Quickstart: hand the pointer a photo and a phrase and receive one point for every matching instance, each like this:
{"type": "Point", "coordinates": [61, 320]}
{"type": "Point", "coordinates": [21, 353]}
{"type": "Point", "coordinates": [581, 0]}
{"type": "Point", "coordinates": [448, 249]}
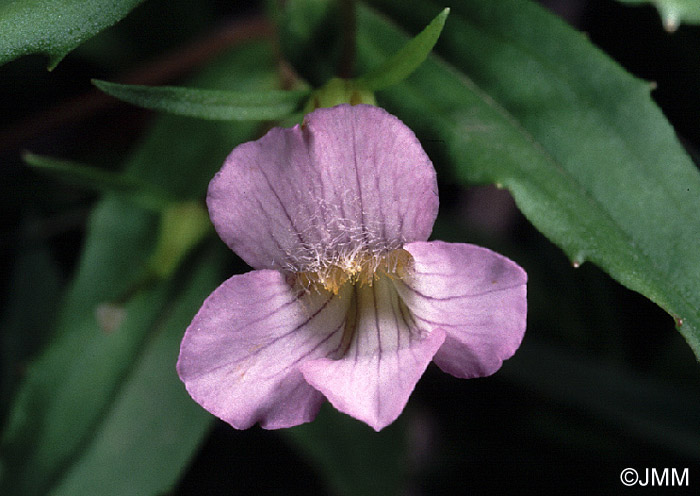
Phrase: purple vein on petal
{"type": "Point", "coordinates": [380, 202]}
{"type": "Point", "coordinates": [472, 325]}
{"type": "Point", "coordinates": [292, 301]}
{"type": "Point", "coordinates": [410, 323]}
{"type": "Point", "coordinates": [349, 328]}
{"type": "Point", "coordinates": [284, 208]}
{"type": "Point", "coordinates": [395, 310]}
{"type": "Point", "coordinates": [456, 297]}
{"type": "Point", "coordinates": [312, 350]}
{"type": "Point", "coordinates": [365, 237]}
{"type": "Point", "coordinates": [292, 331]}
{"type": "Point", "coordinates": [271, 233]}
{"type": "Point", "coordinates": [260, 348]}
{"type": "Point", "coordinates": [377, 325]}
{"type": "Point", "coordinates": [314, 166]}
{"type": "Point", "coordinates": [355, 336]}
{"type": "Point", "coordinates": [374, 289]}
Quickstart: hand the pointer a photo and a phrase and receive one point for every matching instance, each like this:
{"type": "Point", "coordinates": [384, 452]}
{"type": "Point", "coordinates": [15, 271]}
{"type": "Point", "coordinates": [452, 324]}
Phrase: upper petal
{"type": "Point", "coordinates": [239, 357]}
{"type": "Point", "coordinates": [388, 353]}
{"type": "Point", "coordinates": [475, 295]}
{"type": "Point", "coordinates": [349, 177]}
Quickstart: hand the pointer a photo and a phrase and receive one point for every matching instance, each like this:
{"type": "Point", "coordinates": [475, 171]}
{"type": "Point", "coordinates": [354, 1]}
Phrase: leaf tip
{"type": "Point", "coordinates": [578, 260]}
{"type": "Point", "coordinates": [439, 20]}
{"type": "Point", "coordinates": [671, 19]}
{"type": "Point", "coordinates": [54, 61]}
{"type": "Point", "coordinates": [29, 158]}
{"type": "Point", "coordinates": [407, 59]}
{"type": "Point", "coordinates": [100, 84]}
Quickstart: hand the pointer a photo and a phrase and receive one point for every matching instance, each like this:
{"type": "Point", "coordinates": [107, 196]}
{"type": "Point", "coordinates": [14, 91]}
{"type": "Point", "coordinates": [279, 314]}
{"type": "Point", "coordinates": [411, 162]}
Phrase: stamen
{"type": "Point", "coordinates": [356, 268]}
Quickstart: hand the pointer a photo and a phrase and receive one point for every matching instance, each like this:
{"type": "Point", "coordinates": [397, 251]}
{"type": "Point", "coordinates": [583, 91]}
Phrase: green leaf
{"type": "Point", "coordinates": [113, 333]}
{"type": "Point", "coordinates": [72, 382]}
{"type": "Point", "coordinates": [526, 102]}
{"type": "Point", "coordinates": [54, 27]}
{"type": "Point", "coordinates": [673, 12]}
{"type": "Point", "coordinates": [400, 65]}
{"type": "Point", "coordinates": [209, 104]}
{"type": "Point", "coordinates": [142, 194]}
{"type": "Point", "coordinates": [183, 225]}
{"type": "Point", "coordinates": [29, 308]}
{"type": "Point", "coordinates": [151, 414]}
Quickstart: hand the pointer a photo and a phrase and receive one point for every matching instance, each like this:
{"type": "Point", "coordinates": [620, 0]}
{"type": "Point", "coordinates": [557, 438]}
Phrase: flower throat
{"type": "Point", "coordinates": [360, 268]}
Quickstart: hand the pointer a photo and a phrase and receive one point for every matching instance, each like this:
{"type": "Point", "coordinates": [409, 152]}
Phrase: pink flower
{"type": "Point", "coordinates": [348, 300]}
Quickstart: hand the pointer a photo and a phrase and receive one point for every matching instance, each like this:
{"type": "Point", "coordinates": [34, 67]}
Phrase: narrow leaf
{"type": "Point", "coordinates": [144, 195]}
{"type": "Point", "coordinates": [151, 410]}
{"type": "Point", "coordinates": [526, 102]}
{"type": "Point", "coordinates": [54, 27]}
{"type": "Point", "coordinates": [209, 104]}
{"type": "Point", "coordinates": [400, 65]}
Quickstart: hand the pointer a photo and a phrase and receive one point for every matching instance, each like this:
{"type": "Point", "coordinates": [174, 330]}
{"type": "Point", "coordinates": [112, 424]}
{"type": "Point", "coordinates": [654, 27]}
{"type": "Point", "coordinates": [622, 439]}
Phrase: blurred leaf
{"type": "Point", "coordinates": [180, 154]}
{"type": "Point", "coordinates": [304, 24]}
{"type": "Point", "coordinates": [183, 226]}
{"type": "Point", "coordinates": [142, 194]}
{"type": "Point", "coordinates": [147, 434]}
{"type": "Point", "coordinates": [209, 104]}
{"type": "Point", "coordinates": [400, 65]}
{"type": "Point", "coordinates": [528, 103]}
{"type": "Point", "coordinates": [673, 12]}
{"type": "Point", "coordinates": [355, 460]}
{"type": "Point", "coordinates": [81, 175]}
{"type": "Point", "coordinates": [76, 394]}
{"type": "Point", "coordinates": [54, 27]}
{"type": "Point", "coordinates": [68, 386]}
{"type": "Point", "coordinates": [29, 308]}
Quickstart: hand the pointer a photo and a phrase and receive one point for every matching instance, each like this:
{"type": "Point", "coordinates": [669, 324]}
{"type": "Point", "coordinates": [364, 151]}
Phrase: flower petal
{"type": "Point", "coordinates": [475, 295]}
{"type": "Point", "coordinates": [384, 360]}
{"type": "Point", "coordinates": [349, 177]}
{"type": "Point", "coordinates": [239, 357]}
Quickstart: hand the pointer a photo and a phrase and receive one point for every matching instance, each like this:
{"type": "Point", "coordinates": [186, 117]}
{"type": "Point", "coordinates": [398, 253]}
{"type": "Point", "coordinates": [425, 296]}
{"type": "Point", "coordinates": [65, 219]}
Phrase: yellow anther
{"type": "Point", "coordinates": [361, 270]}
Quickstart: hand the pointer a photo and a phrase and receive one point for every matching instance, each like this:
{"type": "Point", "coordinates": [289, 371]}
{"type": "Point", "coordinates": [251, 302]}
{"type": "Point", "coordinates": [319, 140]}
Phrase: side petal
{"type": "Point", "coordinates": [349, 177]}
{"type": "Point", "coordinates": [374, 378]}
{"type": "Point", "coordinates": [475, 295]}
{"type": "Point", "coordinates": [240, 356]}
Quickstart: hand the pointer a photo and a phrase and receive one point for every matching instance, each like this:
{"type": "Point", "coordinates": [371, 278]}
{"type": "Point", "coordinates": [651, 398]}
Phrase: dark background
{"type": "Point", "coordinates": [602, 382]}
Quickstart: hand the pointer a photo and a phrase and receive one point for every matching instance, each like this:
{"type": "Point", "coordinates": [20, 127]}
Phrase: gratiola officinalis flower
{"type": "Point", "coordinates": [348, 300]}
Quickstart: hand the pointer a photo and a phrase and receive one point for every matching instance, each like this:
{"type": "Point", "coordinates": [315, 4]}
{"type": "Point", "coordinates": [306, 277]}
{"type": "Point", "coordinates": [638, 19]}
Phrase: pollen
{"type": "Point", "coordinates": [361, 269]}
